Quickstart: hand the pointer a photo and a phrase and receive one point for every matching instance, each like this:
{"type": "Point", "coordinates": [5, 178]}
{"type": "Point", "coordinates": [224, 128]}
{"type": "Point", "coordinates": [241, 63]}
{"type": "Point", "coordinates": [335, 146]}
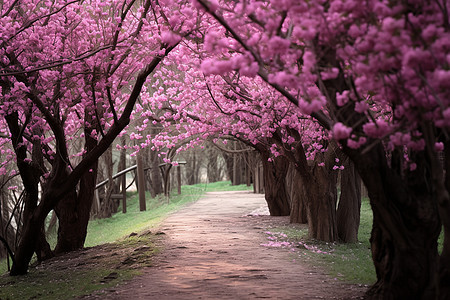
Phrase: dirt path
{"type": "Point", "coordinates": [213, 251]}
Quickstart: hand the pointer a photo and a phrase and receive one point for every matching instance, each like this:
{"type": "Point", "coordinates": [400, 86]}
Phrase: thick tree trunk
{"type": "Point", "coordinates": [297, 196]}
{"type": "Point", "coordinates": [321, 204]}
{"type": "Point", "coordinates": [27, 245]}
{"type": "Point", "coordinates": [73, 211]}
{"type": "Point", "coordinates": [43, 250]}
{"type": "Point", "coordinates": [405, 227]}
{"type": "Point", "coordinates": [73, 214]}
{"type": "Point", "coordinates": [69, 236]}
{"type": "Point", "coordinates": [275, 185]}
{"type": "Point", "coordinates": [348, 211]}
{"type": "Point", "coordinates": [444, 259]}
{"type": "Point", "coordinates": [319, 187]}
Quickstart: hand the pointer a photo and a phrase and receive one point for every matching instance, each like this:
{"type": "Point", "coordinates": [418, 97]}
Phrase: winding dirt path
{"type": "Point", "coordinates": [212, 250]}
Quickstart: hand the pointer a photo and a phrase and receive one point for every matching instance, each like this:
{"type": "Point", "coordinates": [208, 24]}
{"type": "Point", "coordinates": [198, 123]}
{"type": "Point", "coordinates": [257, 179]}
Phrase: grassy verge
{"type": "Point", "coordinates": [115, 257]}
{"type": "Point", "coordinates": [350, 262]}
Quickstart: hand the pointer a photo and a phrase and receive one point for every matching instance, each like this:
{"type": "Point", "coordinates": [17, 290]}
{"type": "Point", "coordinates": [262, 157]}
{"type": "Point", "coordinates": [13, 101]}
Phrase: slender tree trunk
{"type": "Point", "coordinates": [156, 175]}
{"type": "Point", "coordinates": [229, 165]}
{"type": "Point", "coordinates": [109, 205]}
{"type": "Point", "coordinates": [141, 182]}
{"type": "Point", "coordinates": [348, 212]}
{"type": "Point", "coordinates": [123, 179]}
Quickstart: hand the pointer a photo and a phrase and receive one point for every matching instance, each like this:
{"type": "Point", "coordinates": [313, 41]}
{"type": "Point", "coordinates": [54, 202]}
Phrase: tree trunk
{"type": "Point", "coordinates": [109, 205]}
{"type": "Point", "coordinates": [321, 193]}
{"type": "Point", "coordinates": [156, 175]}
{"type": "Point", "coordinates": [348, 212]}
{"type": "Point", "coordinates": [297, 196]}
{"type": "Point", "coordinates": [123, 179]}
{"type": "Point", "coordinates": [73, 214]}
{"type": "Point", "coordinates": [43, 250]}
{"type": "Point", "coordinates": [405, 227]}
{"type": "Point", "coordinates": [73, 210]}
{"type": "Point", "coordinates": [275, 184]}
{"type": "Point", "coordinates": [69, 236]}
{"type": "Point", "coordinates": [228, 165]}
{"type": "Point", "coordinates": [319, 186]}
{"type": "Point", "coordinates": [444, 259]}
{"type": "Point", "coordinates": [27, 245]}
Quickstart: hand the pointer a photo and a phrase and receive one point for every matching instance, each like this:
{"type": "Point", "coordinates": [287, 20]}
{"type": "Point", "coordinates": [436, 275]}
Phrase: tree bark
{"type": "Point", "coordinates": [348, 211]}
{"type": "Point", "coordinates": [297, 196]}
{"type": "Point", "coordinates": [123, 179]}
{"type": "Point", "coordinates": [109, 205]}
{"type": "Point", "coordinates": [74, 211]}
{"type": "Point", "coordinates": [157, 187]}
{"type": "Point", "coordinates": [276, 195]}
{"type": "Point", "coordinates": [26, 248]}
{"type": "Point", "coordinates": [70, 237]}
{"type": "Point", "coordinates": [321, 204]}
{"type": "Point", "coordinates": [319, 185]}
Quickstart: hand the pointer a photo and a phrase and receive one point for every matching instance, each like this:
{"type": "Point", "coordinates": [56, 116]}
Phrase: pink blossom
{"type": "Point", "coordinates": [351, 143]}
{"type": "Point", "coordinates": [342, 98]}
{"type": "Point", "coordinates": [361, 107]}
{"type": "Point", "coordinates": [340, 131]}
{"type": "Point", "coordinates": [439, 146]}
{"type": "Point", "coordinates": [170, 38]}
{"type": "Point", "coordinates": [376, 130]}
{"type": "Point", "coordinates": [279, 45]}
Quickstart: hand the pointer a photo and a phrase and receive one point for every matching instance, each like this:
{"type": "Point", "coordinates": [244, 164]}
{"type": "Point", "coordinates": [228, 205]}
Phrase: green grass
{"type": "Point", "coordinates": [119, 225]}
{"type": "Point", "coordinates": [56, 284]}
{"type": "Point", "coordinates": [224, 186]}
{"type": "Point", "coordinates": [350, 262]}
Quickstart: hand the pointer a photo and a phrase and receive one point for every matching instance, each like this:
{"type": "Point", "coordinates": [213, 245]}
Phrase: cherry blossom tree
{"type": "Point", "coordinates": [74, 70]}
{"type": "Point", "coordinates": [376, 76]}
